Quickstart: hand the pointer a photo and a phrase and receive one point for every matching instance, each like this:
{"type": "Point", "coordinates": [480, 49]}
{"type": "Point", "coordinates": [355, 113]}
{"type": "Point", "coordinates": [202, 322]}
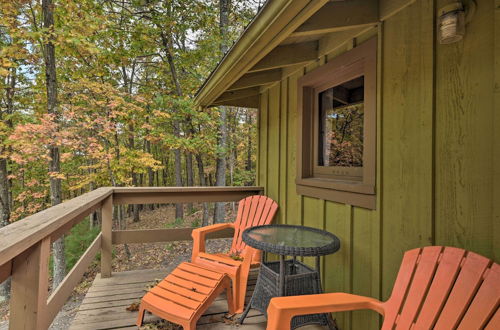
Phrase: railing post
{"type": "Point", "coordinates": [30, 272]}
{"type": "Point", "coordinates": [106, 243]}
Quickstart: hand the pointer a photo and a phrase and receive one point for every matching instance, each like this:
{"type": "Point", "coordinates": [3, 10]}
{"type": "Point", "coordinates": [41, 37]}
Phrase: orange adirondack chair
{"type": "Point", "coordinates": [252, 211]}
{"type": "Point", "coordinates": [436, 288]}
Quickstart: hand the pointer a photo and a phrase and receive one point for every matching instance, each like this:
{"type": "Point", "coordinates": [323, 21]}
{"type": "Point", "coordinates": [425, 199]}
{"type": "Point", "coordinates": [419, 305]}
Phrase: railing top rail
{"type": "Point", "coordinates": [121, 190]}
{"type": "Point", "coordinates": [21, 235]}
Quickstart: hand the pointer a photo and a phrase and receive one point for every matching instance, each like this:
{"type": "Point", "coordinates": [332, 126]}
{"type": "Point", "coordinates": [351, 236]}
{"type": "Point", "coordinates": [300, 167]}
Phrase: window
{"type": "Point", "coordinates": [340, 122]}
{"type": "Point", "coordinates": [337, 121]}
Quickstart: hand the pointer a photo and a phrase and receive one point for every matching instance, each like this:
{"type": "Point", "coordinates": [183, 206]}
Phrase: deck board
{"type": "Point", "coordinates": [104, 306]}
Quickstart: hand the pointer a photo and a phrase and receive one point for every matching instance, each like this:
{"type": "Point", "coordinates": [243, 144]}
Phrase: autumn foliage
{"type": "Point", "coordinates": [116, 101]}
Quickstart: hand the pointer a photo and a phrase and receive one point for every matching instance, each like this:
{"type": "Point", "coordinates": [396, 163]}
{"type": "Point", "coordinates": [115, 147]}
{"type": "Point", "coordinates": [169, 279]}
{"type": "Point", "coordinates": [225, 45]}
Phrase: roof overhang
{"type": "Point", "coordinates": [287, 34]}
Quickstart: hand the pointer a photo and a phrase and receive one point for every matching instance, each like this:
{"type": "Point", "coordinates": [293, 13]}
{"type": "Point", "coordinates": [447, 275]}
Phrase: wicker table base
{"type": "Point", "coordinates": [299, 279]}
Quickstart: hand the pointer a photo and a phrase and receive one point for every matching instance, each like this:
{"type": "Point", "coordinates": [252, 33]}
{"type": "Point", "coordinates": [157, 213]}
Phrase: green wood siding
{"type": "Point", "coordinates": [496, 136]}
{"type": "Point", "coordinates": [465, 138]}
{"type": "Point", "coordinates": [407, 135]}
{"type": "Point", "coordinates": [438, 153]}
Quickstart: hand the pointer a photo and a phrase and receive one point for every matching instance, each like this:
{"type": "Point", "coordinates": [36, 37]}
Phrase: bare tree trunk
{"type": "Point", "coordinates": [4, 217]}
{"type": "Point", "coordinates": [5, 184]}
{"type": "Point", "coordinates": [248, 166]}
{"type": "Point", "coordinates": [135, 183]}
{"type": "Point", "coordinates": [220, 172]}
{"type": "Point", "coordinates": [147, 147]}
{"type": "Point", "coordinates": [95, 217]}
{"type": "Point", "coordinates": [179, 209]}
{"type": "Point", "coordinates": [189, 176]}
{"type": "Point", "coordinates": [54, 164]}
{"type": "Point", "coordinates": [232, 148]}
{"type": "Point", "coordinates": [4, 194]}
{"type": "Point", "coordinates": [231, 145]}
{"type": "Point", "coordinates": [122, 224]}
{"type": "Point", "coordinates": [151, 183]}
{"type": "Point", "coordinates": [165, 170]}
{"type": "Point", "coordinates": [135, 207]}
{"type": "Point", "coordinates": [166, 39]}
{"type": "Point", "coordinates": [210, 179]}
{"type": "Point", "coordinates": [220, 213]}
{"type": "Point", "coordinates": [224, 9]}
{"type": "Point", "coordinates": [201, 174]}
{"type": "Point", "coordinates": [128, 85]}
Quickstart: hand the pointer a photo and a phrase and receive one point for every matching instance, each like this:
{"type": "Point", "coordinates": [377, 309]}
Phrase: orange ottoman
{"type": "Point", "coordinates": [185, 294]}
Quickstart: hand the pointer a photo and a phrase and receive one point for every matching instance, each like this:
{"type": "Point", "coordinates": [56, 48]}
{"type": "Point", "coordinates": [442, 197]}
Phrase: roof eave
{"type": "Point", "coordinates": [275, 22]}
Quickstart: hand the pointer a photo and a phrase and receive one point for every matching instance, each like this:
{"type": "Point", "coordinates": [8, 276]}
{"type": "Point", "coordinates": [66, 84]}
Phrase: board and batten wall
{"type": "Point", "coordinates": [438, 152]}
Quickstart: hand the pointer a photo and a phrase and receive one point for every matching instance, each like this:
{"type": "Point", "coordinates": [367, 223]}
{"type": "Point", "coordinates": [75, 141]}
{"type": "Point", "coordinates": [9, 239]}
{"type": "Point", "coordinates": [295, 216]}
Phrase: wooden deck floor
{"type": "Point", "coordinates": [104, 306]}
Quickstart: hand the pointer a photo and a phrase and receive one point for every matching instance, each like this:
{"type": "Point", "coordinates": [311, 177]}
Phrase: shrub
{"type": "Point", "coordinates": [79, 239]}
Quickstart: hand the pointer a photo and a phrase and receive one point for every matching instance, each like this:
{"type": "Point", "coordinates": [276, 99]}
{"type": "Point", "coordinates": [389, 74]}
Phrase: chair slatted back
{"type": "Point", "coordinates": [252, 211]}
{"type": "Point", "coordinates": [444, 288]}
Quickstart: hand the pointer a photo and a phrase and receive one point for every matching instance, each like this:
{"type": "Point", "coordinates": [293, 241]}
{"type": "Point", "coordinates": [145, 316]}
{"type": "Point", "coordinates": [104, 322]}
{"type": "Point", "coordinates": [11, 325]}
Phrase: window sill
{"type": "Point", "coordinates": [340, 185]}
{"type": "Point", "coordinates": [352, 193]}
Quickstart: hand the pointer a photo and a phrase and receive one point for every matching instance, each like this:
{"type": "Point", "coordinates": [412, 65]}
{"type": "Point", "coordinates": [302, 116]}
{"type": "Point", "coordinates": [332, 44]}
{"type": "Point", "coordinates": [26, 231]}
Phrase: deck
{"type": "Point", "coordinates": [104, 306]}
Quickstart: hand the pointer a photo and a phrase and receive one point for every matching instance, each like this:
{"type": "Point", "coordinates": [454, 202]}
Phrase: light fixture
{"type": "Point", "coordinates": [452, 19]}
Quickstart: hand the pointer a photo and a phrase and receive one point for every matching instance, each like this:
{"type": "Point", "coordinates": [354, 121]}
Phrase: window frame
{"type": "Point", "coordinates": [336, 183]}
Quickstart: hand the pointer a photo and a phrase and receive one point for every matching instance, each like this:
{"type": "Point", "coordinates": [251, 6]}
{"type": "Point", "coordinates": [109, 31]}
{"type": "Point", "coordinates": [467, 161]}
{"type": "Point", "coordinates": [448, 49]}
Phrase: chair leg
{"type": "Point", "coordinates": [241, 294]}
{"type": "Point", "coordinates": [238, 307]}
{"type": "Point", "coordinates": [140, 317]}
{"type": "Point", "coordinates": [277, 320]}
{"type": "Point", "coordinates": [230, 300]}
{"type": "Point", "coordinates": [189, 325]}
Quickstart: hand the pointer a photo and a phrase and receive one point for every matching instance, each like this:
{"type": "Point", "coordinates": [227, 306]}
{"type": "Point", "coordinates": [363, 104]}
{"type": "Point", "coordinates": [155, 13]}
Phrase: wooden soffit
{"type": "Point", "coordinates": [254, 79]}
{"type": "Point", "coordinates": [339, 16]}
{"type": "Point", "coordinates": [284, 35]}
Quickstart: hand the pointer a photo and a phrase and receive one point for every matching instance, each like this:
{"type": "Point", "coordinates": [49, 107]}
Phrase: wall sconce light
{"type": "Point", "coordinates": [452, 19]}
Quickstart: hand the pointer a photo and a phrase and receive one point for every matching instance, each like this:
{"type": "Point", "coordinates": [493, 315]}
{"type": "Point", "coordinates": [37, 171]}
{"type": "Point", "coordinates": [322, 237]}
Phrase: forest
{"type": "Point", "coordinates": [99, 93]}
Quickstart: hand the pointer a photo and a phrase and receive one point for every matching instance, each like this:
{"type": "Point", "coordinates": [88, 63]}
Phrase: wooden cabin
{"type": "Point", "coordinates": [379, 121]}
{"type": "Point", "coordinates": [430, 170]}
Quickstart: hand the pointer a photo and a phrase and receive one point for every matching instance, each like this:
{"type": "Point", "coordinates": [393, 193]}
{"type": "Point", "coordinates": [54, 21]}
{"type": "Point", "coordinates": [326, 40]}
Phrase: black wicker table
{"type": "Point", "coordinates": [289, 277]}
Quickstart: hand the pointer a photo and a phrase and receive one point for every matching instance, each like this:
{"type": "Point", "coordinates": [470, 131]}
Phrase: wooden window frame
{"type": "Point", "coordinates": [335, 183]}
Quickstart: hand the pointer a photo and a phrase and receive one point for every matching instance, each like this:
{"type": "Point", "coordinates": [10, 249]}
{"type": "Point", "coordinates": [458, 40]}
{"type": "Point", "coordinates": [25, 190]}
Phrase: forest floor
{"type": "Point", "coordinates": [142, 256]}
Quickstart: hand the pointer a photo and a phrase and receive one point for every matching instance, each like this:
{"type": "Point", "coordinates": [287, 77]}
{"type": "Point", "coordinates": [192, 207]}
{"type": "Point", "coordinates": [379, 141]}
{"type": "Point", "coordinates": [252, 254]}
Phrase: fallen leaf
{"type": "Point", "coordinates": [134, 307]}
{"type": "Point", "coordinates": [230, 319]}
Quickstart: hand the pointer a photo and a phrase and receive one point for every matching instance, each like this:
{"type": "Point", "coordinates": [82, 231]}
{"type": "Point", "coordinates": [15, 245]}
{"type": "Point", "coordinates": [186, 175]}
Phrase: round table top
{"type": "Point", "coordinates": [291, 240]}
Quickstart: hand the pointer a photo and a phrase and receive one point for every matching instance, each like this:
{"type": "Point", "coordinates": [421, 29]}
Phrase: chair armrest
{"type": "Point", "coordinates": [216, 258]}
{"type": "Point", "coordinates": [199, 234]}
{"type": "Point", "coordinates": [212, 228]}
{"type": "Point", "coordinates": [282, 309]}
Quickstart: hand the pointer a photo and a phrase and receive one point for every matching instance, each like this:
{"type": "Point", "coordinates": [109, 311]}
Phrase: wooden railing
{"type": "Point", "coordinates": [26, 244]}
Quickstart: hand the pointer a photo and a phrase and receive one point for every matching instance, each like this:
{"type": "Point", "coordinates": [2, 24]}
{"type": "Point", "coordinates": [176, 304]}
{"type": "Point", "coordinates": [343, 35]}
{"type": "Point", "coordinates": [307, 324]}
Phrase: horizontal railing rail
{"type": "Point", "coordinates": [25, 244]}
{"type": "Point", "coordinates": [161, 235]}
{"type": "Point", "coordinates": [155, 195]}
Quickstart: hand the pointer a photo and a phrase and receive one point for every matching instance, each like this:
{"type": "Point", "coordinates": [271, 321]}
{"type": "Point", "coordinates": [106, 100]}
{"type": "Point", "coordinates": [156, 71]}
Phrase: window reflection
{"type": "Point", "coordinates": [341, 111]}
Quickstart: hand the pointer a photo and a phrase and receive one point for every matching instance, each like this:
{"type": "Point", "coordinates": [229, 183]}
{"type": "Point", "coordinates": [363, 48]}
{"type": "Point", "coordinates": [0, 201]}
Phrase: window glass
{"type": "Point", "coordinates": [341, 111]}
